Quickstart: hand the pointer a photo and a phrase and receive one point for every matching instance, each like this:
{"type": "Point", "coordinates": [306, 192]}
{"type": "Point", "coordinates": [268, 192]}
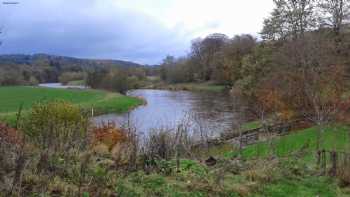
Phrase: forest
{"type": "Point", "coordinates": [298, 67]}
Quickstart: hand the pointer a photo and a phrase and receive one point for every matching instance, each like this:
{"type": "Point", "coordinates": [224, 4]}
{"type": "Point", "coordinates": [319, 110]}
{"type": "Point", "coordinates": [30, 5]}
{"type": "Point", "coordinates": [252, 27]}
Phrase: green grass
{"type": "Point", "coordinates": [333, 138]}
{"type": "Point", "coordinates": [305, 187]}
{"type": "Point", "coordinates": [251, 125]}
{"type": "Point", "coordinates": [11, 98]}
{"type": "Point", "coordinates": [76, 83]}
{"type": "Point", "coordinates": [305, 182]}
{"type": "Point", "coordinates": [195, 179]}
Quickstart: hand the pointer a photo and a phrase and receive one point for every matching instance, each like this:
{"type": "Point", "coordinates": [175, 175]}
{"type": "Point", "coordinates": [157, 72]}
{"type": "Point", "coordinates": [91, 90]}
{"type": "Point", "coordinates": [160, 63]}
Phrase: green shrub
{"type": "Point", "coordinates": [124, 190]}
{"type": "Point", "coordinates": [66, 77]}
{"type": "Point", "coordinates": [56, 125]}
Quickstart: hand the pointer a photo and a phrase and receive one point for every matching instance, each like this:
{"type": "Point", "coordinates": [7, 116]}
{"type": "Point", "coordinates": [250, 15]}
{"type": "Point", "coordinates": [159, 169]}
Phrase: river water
{"type": "Point", "coordinates": [61, 86]}
{"type": "Point", "coordinates": [210, 113]}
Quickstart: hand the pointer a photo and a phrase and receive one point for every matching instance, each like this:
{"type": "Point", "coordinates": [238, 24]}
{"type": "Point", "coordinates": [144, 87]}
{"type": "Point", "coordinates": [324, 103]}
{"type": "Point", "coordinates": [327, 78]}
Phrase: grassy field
{"type": "Point", "coordinates": [333, 138]}
{"type": "Point", "coordinates": [11, 98]}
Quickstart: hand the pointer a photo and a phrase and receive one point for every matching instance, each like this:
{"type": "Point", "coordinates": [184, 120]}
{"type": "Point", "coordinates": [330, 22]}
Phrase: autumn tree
{"type": "Point", "coordinates": [176, 70]}
{"type": "Point", "coordinates": [167, 62]}
{"type": "Point", "coordinates": [205, 52]}
{"type": "Point", "coordinates": [315, 87]}
{"type": "Point", "coordinates": [233, 56]}
{"type": "Point", "coordinates": [289, 19]}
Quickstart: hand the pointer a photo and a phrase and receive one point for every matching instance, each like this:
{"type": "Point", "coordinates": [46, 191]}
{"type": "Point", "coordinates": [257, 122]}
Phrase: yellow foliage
{"type": "Point", "coordinates": [100, 149]}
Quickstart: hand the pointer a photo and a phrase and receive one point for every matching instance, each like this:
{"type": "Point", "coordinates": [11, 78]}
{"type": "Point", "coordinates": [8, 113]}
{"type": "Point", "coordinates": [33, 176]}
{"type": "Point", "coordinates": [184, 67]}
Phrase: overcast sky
{"type": "Point", "coordinates": [144, 31]}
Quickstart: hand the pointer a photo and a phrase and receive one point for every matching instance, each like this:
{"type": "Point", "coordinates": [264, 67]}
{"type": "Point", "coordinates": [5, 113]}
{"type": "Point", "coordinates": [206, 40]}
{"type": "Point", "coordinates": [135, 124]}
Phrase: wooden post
{"type": "Point", "coordinates": [334, 158]}
{"type": "Point", "coordinates": [318, 158]}
{"type": "Point", "coordinates": [178, 158]}
{"type": "Point", "coordinates": [18, 115]}
{"type": "Point", "coordinates": [324, 161]}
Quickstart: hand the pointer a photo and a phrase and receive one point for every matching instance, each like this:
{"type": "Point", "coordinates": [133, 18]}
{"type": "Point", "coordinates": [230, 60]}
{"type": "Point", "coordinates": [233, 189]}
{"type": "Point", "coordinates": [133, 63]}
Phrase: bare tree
{"type": "Point", "coordinates": [289, 19]}
{"type": "Point", "coordinates": [335, 13]}
{"type": "Point", "coordinates": [204, 52]}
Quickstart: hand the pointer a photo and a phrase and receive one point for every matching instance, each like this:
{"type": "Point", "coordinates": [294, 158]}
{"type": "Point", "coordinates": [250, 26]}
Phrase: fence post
{"type": "Point", "coordinates": [318, 158]}
{"type": "Point", "coordinates": [334, 158]}
{"type": "Point", "coordinates": [324, 161]}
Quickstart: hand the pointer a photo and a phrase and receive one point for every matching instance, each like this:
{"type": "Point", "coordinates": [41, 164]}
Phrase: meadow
{"type": "Point", "coordinates": [11, 98]}
{"type": "Point", "coordinates": [334, 137]}
{"type": "Point", "coordinates": [291, 172]}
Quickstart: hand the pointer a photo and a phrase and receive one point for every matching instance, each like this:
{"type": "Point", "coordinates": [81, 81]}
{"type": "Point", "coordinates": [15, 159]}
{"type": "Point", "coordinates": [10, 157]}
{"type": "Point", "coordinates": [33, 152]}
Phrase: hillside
{"type": "Point", "coordinates": [47, 68]}
{"type": "Point", "coordinates": [62, 61]}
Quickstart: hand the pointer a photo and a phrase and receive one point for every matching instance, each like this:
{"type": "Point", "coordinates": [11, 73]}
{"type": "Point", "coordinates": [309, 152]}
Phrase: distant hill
{"type": "Point", "coordinates": [63, 61]}
{"type": "Point", "coordinates": [47, 68]}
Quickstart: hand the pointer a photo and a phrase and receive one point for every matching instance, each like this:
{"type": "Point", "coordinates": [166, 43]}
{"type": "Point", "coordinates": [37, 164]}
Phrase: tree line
{"type": "Point", "coordinates": [307, 23]}
{"type": "Point", "coordinates": [43, 68]}
{"type": "Point", "coordinates": [298, 68]}
{"type": "Point", "coordinates": [114, 79]}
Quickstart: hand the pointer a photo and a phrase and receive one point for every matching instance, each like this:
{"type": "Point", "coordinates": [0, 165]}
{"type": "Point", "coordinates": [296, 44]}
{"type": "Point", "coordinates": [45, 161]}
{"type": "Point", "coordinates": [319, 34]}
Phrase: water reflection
{"type": "Point", "coordinates": [209, 112]}
{"type": "Point", "coordinates": [61, 86]}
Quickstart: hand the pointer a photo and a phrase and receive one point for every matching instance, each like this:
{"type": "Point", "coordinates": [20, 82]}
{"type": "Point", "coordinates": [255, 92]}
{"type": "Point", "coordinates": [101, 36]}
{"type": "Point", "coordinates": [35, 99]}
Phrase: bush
{"type": "Point", "coordinates": [56, 125]}
{"type": "Point", "coordinates": [114, 80]}
{"type": "Point", "coordinates": [113, 141]}
{"type": "Point", "coordinates": [12, 158]}
{"type": "Point", "coordinates": [160, 145]}
{"type": "Point", "coordinates": [71, 76]}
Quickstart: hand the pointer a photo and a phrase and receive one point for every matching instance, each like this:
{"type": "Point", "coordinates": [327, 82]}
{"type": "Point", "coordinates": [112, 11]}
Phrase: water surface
{"type": "Point", "coordinates": [61, 86]}
{"type": "Point", "coordinates": [206, 112]}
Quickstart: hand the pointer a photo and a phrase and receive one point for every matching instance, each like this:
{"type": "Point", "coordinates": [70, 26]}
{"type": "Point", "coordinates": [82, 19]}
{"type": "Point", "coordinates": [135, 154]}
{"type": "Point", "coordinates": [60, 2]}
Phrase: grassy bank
{"type": "Point", "coordinates": [284, 175]}
{"type": "Point", "coordinates": [201, 87]}
{"type": "Point", "coordinates": [98, 171]}
{"type": "Point", "coordinates": [76, 83]}
{"type": "Point", "coordinates": [333, 138]}
{"type": "Point", "coordinates": [11, 98]}
{"type": "Point", "coordinates": [197, 180]}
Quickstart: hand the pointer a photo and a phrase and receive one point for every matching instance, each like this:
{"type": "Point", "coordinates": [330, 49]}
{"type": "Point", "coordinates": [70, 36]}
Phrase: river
{"type": "Point", "coordinates": [209, 113]}
{"type": "Point", "coordinates": [61, 86]}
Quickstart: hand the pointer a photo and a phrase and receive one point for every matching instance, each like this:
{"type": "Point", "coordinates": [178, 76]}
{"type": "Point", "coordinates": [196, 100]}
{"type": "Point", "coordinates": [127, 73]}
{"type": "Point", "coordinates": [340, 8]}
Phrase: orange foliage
{"type": "Point", "coordinates": [304, 91]}
{"type": "Point", "coordinates": [270, 99]}
{"type": "Point", "coordinates": [108, 135]}
{"type": "Point", "coordinates": [10, 135]}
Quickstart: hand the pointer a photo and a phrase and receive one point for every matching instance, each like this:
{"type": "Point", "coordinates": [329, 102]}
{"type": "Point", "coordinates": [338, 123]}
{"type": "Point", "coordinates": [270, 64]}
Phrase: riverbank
{"type": "Point", "coordinates": [11, 98]}
{"type": "Point", "coordinates": [290, 171]}
{"type": "Point", "coordinates": [199, 87]}
{"type": "Point", "coordinates": [334, 137]}
{"type": "Point", "coordinates": [285, 167]}
{"type": "Point", "coordinates": [77, 83]}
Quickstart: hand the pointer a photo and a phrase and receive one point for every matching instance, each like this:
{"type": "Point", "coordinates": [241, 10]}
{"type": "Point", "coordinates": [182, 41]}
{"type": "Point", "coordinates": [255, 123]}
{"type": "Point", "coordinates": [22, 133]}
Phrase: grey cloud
{"type": "Point", "coordinates": [87, 29]}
